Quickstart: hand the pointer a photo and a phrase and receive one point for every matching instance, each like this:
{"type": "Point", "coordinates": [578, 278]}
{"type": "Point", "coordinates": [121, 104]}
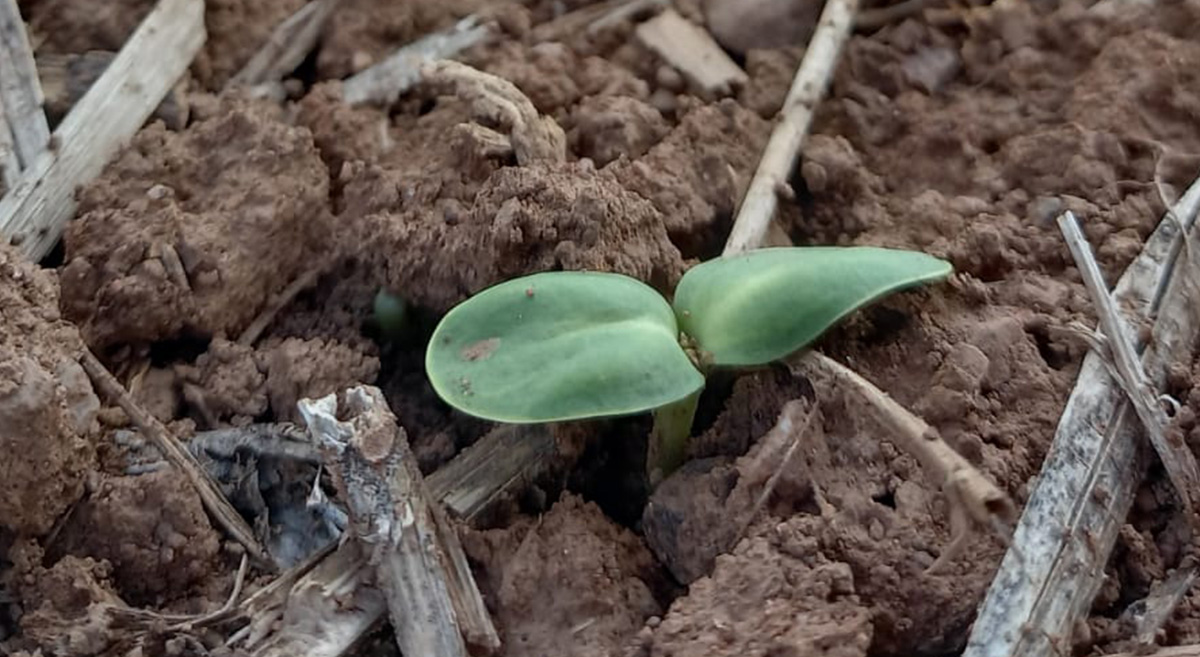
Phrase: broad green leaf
{"type": "Point", "coordinates": [560, 346]}
{"type": "Point", "coordinates": [758, 307]}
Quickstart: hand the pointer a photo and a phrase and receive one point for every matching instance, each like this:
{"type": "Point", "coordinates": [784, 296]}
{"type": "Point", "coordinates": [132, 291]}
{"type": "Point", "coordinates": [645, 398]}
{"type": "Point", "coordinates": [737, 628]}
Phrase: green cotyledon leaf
{"type": "Point", "coordinates": [757, 307]}
{"type": "Point", "coordinates": [560, 346]}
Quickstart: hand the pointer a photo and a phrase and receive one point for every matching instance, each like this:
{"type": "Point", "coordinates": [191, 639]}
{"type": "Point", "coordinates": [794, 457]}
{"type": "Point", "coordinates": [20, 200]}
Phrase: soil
{"type": "Point", "coordinates": [962, 134]}
{"type": "Point", "coordinates": [48, 424]}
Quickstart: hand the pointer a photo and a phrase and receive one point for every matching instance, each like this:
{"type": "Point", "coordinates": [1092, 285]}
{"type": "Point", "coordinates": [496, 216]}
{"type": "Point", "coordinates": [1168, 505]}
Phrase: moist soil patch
{"type": "Point", "coordinates": [963, 136]}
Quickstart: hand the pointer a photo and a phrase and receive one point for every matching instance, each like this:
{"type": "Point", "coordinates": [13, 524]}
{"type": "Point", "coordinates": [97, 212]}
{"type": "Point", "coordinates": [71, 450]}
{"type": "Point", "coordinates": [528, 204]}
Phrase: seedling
{"type": "Point", "coordinates": [562, 346]}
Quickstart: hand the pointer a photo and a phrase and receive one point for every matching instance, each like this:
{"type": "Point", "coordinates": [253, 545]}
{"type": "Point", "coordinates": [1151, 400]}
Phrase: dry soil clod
{"type": "Point", "coordinates": [178, 455]}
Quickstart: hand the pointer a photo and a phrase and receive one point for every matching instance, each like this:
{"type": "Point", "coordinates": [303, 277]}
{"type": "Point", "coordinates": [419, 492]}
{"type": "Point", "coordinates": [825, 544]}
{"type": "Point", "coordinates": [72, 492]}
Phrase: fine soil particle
{"type": "Point", "coordinates": [152, 529]}
{"type": "Point", "coordinates": [774, 595]}
{"type": "Point", "coordinates": [47, 406]}
{"type": "Point", "coordinates": [569, 583]}
{"type": "Point", "coordinates": [239, 384]}
{"type": "Point", "coordinates": [697, 174]}
{"type": "Point", "coordinates": [65, 604]}
{"type": "Point", "coordinates": [523, 220]}
{"type": "Point", "coordinates": [189, 234]}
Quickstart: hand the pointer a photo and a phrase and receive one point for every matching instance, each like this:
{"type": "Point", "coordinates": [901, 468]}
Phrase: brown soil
{"type": "Point", "coordinates": [151, 529]}
{"type": "Point", "coordinates": [963, 139]}
{"type": "Point", "coordinates": [47, 407]}
{"type": "Point", "coordinates": [191, 234]}
{"type": "Point", "coordinates": [570, 582]}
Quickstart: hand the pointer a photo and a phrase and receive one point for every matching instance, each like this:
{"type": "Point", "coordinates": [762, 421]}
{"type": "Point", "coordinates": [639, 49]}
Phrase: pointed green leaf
{"type": "Point", "coordinates": [560, 346]}
{"type": "Point", "coordinates": [758, 307]}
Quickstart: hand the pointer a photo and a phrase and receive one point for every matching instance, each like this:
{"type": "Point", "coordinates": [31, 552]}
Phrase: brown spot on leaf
{"type": "Point", "coordinates": [480, 350]}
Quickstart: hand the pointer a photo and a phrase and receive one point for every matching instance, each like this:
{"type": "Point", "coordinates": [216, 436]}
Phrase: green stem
{"type": "Point", "coordinates": [669, 438]}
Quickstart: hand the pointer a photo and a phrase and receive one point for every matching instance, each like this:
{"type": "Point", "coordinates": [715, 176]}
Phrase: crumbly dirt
{"type": "Point", "coordinates": [65, 604]}
{"type": "Point", "coordinates": [152, 529]}
{"type": "Point", "coordinates": [773, 595]}
{"type": "Point", "coordinates": [570, 582]}
{"type": "Point", "coordinates": [47, 407]}
{"type": "Point", "coordinates": [238, 384]}
{"type": "Point", "coordinates": [964, 138]}
{"type": "Point", "coordinates": [522, 220]}
{"type": "Point", "coordinates": [190, 234]}
{"type": "Point", "coordinates": [697, 174]}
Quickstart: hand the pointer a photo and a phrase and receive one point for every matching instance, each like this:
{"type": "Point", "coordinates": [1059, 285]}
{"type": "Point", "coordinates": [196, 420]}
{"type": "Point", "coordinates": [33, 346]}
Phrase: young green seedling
{"type": "Point", "coordinates": [563, 346]}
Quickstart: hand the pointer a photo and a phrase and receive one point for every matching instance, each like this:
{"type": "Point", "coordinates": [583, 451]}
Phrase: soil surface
{"type": "Point", "coordinates": [962, 133]}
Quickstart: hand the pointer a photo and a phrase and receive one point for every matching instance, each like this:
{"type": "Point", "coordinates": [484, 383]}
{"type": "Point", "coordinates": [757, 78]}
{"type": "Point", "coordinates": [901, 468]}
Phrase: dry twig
{"type": "Point", "coordinates": [499, 102]}
{"type": "Point", "coordinates": [20, 91]}
{"type": "Point", "coordinates": [1151, 613]}
{"type": "Point", "coordinates": [34, 212]}
{"type": "Point", "coordinates": [384, 82]}
{"type": "Point", "coordinates": [67, 78]}
{"type": "Point", "coordinates": [971, 495]}
{"type": "Point", "coordinates": [1177, 459]}
{"type": "Point", "coordinates": [321, 608]}
{"type": "Point", "coordinates": [593, 19]}
{"type": "Point", "coordinates": [779, 158]}
{"type": "Point", "coordinates": [10, 166]}
{"type": "Point", "coordinates": [507, 457]}
{"type": "Point", "coordinates": [973, 498]}
{"type": "Point", "coordinates": [289, 44]}
{"type": "Point", "coordinates": [324, 606]}
{"type": "Point", "coordinates": [691, 50]}
{"type": "Point", "coordinates": [794, 420]}
{"type": "Point", "coordinates": [284, 441]}
{"type": "Point", "coordinates": [435, 607]}
{"type": "Point", "coordinates": [177, 454]}
{"type": "Point", "coordinates": [873, 19]}
{"type": "Point", "coordinates": [1089, 478]}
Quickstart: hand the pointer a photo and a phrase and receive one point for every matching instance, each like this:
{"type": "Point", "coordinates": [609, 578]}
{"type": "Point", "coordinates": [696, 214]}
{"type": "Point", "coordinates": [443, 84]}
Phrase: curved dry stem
{"type": "Point", "coordinates": [499, 103]}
